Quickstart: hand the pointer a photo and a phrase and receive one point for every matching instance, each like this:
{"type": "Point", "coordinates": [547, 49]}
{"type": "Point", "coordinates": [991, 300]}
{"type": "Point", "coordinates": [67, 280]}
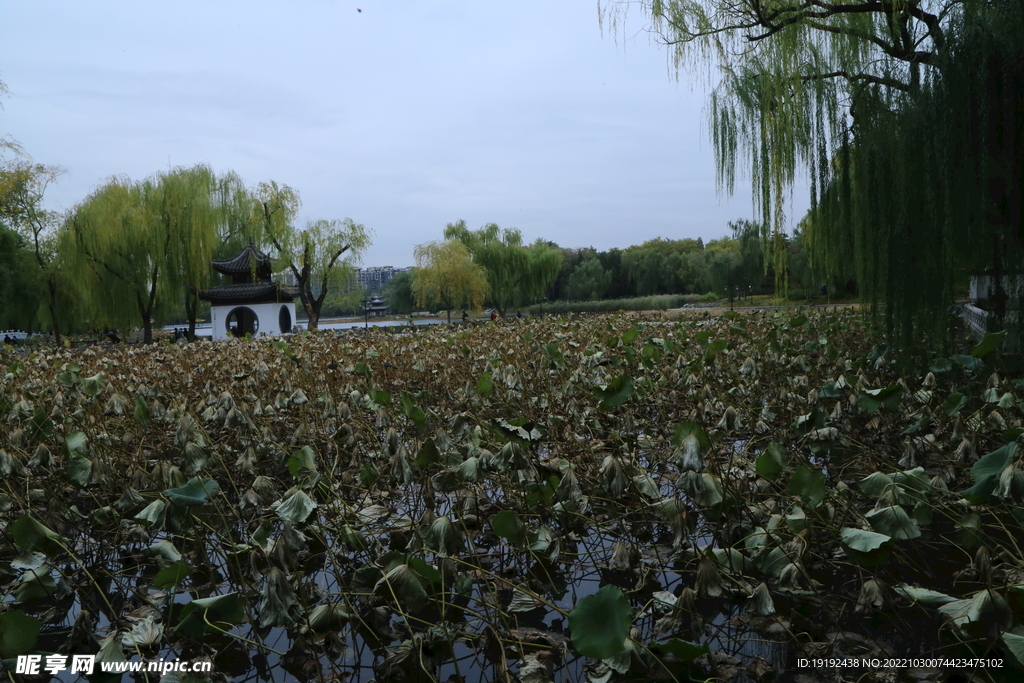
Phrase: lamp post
{"type": "Point", "coordinates": [366, 313]}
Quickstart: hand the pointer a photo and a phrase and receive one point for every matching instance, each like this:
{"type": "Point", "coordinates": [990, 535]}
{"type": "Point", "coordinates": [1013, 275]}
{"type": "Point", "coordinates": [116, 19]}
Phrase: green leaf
{"type": "Point", "coordinates": [862, 540]}
{"type": "Point", "coordinates": [296, 507]}
{"type": "Point", "coordinates": [36, 584]}
{"type": "Point", "coordinates": [797, 321]}
{"type": "Point", "coordinates": [864, 547]}
{"type": "Point", "coordinates": [969, 362]}
{"type": "Point", "coordinates": [278, 605]}
{"type": "Point", "coordinates": [79, 469]}
{"type": "Point", "coordinates": [1015, 644]}
{"type": "Point", "coordinates": [875, 484]}
{"type": "Point", "coordinates": [555, 354]}
{"type": "Point", "coordinates": [599, 623]}
{"type": "Point", "coordinates": [413, 412]}
{"type": "Point", "coordinates": [330, 617]}
{"type": "Point", "coordinates": [172, 574]}
{"type": "Point", "coordinates": [953, 403]}
{"type": "Point", "coordinates": [302, 459]}
{"type": "Point", "coordinates": [163, 551]}
{"type": "Point", "coordinates": [30, 535]}
{"type": "Point", "coordinates": [893, 521]}
{"type": "Point", "coordinates": [195, 492]}
{"type": "Point", "coordinates": [941, 365]}
{"type": "Point", "coordinates": [363, 369]}
{"type": "Point", "coordinates": [153, 514]}
{"type": "Point", "coordinates": [92, 386]}
{"type": "Point", "coordinates": [368, 475]}
{"type": "Point", "coordinates": [40, 426]}
{"type": "Point", "coordinates": [615, 393]}
{"type": "Point", "coordinates": [684, 650]}
{"type": "Point", "coordinates": [684, 429]}
{"type": "Point", "coordinates": [443, 537]}
{"type": "Point", "coordinates": [380, 397]}
{"type": "Point", "coordinates": [486, 384]}
{"type": "Point", "coordinates": [986, 473]}
{"type": "Point", "coordinates": [404, 585]}
{"type": "Point", "coordinates": [647, 487]}
{"type": "Point", "coordinates": [506, 524]}
{"type": "Point", "coordinates": [216, 613]}
{"type": "Point", "coordinates": [807, 484]}
{"type": "Point", "coordinates": [994, 463]}
{"type": "Point", "coordinates": [715, 348]}
{"type": "Point", "coordinates": [630, 335]}
{"type": "Point", "coordinates": [18, 633]}
{"type": "Point", "coordinates": [428, 454]}
{"type": "Point", "coordinates": [772, 462]}
{"type": "Point", "coordinates": [923, 595]}
{"type": "Point", "coordinates": [141, 413]}
{"type": "Point", "coordinates": [888, 397]}
{"type": "Point", "coordinates": [989, 343]}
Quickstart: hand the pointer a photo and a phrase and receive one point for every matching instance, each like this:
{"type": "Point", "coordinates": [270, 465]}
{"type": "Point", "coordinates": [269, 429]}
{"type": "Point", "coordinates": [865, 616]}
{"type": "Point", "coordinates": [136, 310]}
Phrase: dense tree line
{"type": "Point", "coordinates": [730, 265]}
{"type": "Point", "coordinates": [134, 254]}
{"type": "Point", "coordinates": [518, 275]}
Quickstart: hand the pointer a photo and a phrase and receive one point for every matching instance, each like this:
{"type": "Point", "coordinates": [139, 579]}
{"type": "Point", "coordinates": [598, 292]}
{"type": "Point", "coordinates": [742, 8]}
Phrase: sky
{"type": "Point", "coordinates": [405, 116]}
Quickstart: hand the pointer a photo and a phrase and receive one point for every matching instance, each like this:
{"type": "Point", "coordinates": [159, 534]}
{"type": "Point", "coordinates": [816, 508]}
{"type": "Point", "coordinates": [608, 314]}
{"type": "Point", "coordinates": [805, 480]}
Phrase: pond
{"type": "Point", "coordinates": [557, 500]}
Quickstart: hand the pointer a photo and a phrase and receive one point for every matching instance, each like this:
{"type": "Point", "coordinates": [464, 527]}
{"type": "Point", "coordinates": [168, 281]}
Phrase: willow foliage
{"type": "Point", "coordinates": [886, 105]}
{"type": "Point", "coordinates": [929, 191]}
{"type": "Point", "coordinates": [516, 273]}
{"type": "Point", "coordinates": [132, 245]}
{"type": "Point", "coordinates": [446, 274]}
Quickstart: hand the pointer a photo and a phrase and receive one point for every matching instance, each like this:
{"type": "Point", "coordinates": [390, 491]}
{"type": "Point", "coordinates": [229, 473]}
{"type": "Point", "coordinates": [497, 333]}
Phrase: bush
{"type": "Point", "coordinates": [660, 302]}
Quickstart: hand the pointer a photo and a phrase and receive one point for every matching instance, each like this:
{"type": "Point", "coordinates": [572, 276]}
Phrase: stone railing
{"type": "Point", "coordinates": [977, 322]}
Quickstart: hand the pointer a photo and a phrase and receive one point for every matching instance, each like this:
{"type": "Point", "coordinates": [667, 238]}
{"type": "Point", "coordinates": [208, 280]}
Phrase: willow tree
{"type": "Point", "coordinates": [22, 186]}
{"type": "Point", "coordinates": [312, 255]}
{"type": "Point", "coordinates": [446, 274]}
{"type": "Point", "coordinates": [516, 273]}
{"type": "Point", "coordinates": [133, 246]}
{"type": "Point", "coordinates": [801, 82]}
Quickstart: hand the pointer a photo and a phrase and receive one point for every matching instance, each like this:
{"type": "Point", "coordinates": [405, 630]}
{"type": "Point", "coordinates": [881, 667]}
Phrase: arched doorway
{"type": "Point", "coordinates": [242, 321]}
{"type": "Point", "coordinates": [284, 320]}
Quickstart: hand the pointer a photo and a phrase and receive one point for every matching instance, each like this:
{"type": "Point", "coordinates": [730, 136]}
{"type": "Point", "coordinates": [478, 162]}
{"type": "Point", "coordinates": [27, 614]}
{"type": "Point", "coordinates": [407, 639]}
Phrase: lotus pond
{"type": "Point", "coordinates": [558, 500]}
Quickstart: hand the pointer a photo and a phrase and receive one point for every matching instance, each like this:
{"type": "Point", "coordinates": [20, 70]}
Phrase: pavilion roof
{"type": "Point", "coordinates": [244, 262]}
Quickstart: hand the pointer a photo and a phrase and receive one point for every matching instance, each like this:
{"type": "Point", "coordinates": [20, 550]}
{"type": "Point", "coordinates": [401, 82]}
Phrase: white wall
{"type": "Point", "coordinates": [267, 316]}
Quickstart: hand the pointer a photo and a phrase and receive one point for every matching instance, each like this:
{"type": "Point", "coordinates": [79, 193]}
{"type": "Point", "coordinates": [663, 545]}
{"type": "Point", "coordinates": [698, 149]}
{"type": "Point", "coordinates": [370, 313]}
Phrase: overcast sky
{"type": "Point", "coordinates": [404, 117]}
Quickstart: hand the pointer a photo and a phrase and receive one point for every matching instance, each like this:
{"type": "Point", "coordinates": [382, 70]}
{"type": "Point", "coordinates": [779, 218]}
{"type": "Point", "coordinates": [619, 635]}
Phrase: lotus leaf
{"type": "Point", "coordinates": [18, 633]}
{"type": "Point", "coordinates": [600, 623]}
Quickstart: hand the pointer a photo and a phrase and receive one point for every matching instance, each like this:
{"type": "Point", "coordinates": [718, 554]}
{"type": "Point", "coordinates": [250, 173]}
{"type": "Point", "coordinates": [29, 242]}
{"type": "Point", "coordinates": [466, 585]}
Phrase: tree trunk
{"type": "Point", "coordinates": [53, 310]}
{"type": "Point", "coordinates": [191, 308]}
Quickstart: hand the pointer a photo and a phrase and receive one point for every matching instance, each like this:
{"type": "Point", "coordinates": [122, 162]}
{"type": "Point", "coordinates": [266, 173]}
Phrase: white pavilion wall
{"type": "Point", "coordinates": [268, 316]}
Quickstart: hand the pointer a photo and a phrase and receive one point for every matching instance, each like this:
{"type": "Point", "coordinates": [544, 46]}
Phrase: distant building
{"type": "Point", "coordinates": [376, 278]}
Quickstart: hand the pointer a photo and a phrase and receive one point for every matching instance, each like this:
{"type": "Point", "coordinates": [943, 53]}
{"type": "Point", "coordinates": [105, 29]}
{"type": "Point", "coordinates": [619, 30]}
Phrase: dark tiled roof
{"type": "Point", "coordinates": [243, 262]}
{"type": "Point", "coordinates": [245, 293]}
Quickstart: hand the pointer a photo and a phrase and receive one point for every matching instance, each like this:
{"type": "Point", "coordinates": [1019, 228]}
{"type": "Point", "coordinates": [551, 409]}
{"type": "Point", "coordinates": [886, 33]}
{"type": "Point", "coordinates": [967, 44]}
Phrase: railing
{"type": "Point", "coordinates": [977, 321]}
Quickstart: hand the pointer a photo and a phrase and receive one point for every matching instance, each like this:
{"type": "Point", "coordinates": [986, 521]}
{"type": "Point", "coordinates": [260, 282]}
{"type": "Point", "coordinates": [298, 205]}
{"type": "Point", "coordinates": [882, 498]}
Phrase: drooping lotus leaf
{"type": "Point", "coordinates": [196, 491]}
{"type": "Point", "coordinates": [296, 507]}
{"type": "Point", "coordinates": [403, 585]}
{"type": "Point", "coordinates": [278, 604]}
{"type": "Point", "coordinates": [893, 521]}
{"type": "Point", "coordinates": [212, 614]}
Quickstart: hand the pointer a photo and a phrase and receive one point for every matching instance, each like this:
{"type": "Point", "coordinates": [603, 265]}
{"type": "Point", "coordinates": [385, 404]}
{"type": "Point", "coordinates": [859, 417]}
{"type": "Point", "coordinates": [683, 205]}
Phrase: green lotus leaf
{"type": "Point", "coordinates": [18, 633]}
{"type": "Point", "coordinates": [599, 624]}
